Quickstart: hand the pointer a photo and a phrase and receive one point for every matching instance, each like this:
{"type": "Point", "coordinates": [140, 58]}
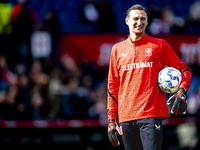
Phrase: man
{"type": "Point", "coordinates": [134, 97]}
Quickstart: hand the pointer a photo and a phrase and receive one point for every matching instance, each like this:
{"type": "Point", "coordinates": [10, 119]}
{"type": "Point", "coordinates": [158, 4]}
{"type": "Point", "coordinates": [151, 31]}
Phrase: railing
{"type": "Point", "coordinates": [81, 123]}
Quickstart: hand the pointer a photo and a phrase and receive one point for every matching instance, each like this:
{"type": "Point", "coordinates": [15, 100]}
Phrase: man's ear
{"type": "Point", "coordinates": [126, 20]}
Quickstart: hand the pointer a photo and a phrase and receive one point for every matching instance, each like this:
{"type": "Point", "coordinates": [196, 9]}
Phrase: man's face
{"type": "Point", "coordinates": [137, 21]}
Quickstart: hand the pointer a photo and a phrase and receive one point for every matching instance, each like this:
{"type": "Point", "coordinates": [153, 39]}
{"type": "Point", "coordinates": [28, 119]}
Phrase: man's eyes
{"type": "Point", "coordinates": [135, 19]}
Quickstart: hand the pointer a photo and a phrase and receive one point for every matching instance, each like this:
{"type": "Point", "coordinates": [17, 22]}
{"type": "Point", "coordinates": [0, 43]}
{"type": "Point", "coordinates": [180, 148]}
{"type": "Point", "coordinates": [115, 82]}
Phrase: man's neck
{"type": "Point", "coordinates": [136, 37]}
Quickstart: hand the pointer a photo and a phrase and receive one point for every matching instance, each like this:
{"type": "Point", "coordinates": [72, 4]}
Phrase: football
{"type": "Point", "coordinates": [169, 79]}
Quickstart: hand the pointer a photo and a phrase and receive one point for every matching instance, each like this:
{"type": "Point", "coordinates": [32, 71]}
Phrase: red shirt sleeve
{"type": "Point", "coordinates": [171, 59]}
{"type": "Point", "coordinates": [113, 86]}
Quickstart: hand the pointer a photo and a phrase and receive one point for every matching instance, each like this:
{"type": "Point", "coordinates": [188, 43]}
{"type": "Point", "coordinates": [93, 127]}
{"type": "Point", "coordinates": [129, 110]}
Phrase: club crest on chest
{"type": "Point", "coordinates": [148, 52]}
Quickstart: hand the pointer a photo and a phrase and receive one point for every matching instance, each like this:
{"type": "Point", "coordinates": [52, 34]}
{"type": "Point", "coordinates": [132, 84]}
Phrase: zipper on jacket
{"type": "Point", "coordinates": [135, 51]}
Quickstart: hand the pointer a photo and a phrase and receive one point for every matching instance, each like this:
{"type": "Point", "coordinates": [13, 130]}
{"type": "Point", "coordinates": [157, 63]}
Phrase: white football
{"type": "Point", "coordinates": [169, 79]}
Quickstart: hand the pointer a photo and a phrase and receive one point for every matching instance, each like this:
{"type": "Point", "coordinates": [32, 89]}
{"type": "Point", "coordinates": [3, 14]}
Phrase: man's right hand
{"type": "Point", "coordinates": [114, 132]}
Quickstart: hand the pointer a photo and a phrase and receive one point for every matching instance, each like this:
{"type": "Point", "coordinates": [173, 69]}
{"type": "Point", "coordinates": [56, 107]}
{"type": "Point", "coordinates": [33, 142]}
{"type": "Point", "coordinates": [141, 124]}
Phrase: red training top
{"type": "Point", "coordinates": [133, 92]}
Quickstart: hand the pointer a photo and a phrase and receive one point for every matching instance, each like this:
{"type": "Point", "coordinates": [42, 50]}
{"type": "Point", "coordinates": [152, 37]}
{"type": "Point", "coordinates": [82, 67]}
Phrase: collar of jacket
{"type": "Point", "coordinates": [138, 42]}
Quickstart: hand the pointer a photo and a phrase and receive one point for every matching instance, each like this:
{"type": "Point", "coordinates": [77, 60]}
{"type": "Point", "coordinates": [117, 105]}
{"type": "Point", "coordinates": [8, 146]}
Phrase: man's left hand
{"type": "Point", "coordinates": [179, 102]}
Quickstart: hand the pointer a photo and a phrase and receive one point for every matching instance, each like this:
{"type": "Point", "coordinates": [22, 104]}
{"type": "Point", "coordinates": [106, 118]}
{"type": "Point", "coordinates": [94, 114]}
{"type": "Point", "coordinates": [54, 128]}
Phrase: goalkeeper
{"type": "Point", "coordinates": [134, 98]}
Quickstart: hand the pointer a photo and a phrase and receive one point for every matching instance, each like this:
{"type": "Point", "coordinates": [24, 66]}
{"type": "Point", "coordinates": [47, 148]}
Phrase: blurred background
{"type": "Point", "coordinates": [54, 57]}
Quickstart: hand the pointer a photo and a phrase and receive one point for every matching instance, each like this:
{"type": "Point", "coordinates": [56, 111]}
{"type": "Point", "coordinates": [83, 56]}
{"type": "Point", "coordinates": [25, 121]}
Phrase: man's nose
{"type": "Point", "coordinates": [139, 22]}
